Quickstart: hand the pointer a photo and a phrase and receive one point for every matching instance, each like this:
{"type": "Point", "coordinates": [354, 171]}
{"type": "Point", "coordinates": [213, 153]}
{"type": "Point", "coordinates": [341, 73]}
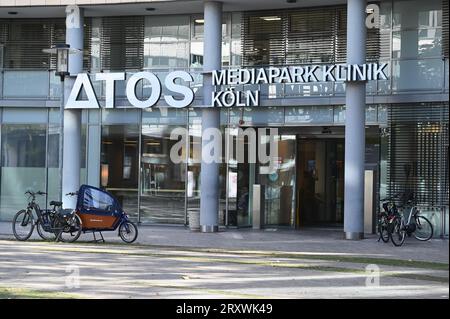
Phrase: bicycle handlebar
{"type": "Point", "coordinates": [72, 194]}
{"type": "Point", "coordinates": [35, 193]}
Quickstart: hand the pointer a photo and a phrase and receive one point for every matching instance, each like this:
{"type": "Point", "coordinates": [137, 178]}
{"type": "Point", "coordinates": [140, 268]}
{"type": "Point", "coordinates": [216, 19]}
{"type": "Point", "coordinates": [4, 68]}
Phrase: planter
{"type": "Point", "coordinates": [194, 220]}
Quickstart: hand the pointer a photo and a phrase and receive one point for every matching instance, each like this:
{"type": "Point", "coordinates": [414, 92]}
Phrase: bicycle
{"type": "Point", "coordinates": [51, 224]}
{"type": "Point", "coordinates": [385, 217]}
{"type": "Point", "coordinates": [416, 225]}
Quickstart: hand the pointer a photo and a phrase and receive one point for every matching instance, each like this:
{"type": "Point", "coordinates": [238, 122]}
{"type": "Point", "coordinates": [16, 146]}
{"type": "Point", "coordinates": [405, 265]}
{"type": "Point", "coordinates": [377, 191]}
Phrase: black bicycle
{"type": "Point", "coordinates": [52, 224]}
{"type": "Point", "coordinates": [413, 224]}
{"type": "Point", "coordinates": [385, 217]}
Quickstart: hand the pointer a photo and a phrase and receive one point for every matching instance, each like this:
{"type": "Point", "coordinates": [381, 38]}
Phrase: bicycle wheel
{"type": "Point", "coordinates": [23, 225]}
{"type": "Point", "coordinates": [128, 232]}
{"type": "Point", "coordinates": [424, 229]}
{"type": "Point", "coordinates": [45, 235]}
{"type": "Point", "coordinates": [69, 231]}
{"type": "Point", "coordinates": [398, 232]}
{"type": "Point", "coordinates": [383, 229]}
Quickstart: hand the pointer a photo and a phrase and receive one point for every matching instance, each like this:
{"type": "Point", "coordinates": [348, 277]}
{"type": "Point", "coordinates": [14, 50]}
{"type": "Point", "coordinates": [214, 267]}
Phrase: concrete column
{"type": "Point", "coordinates": [72, 118]}
{"type": "Point", "coordinates": [212, 60]}
{"type": "Point", "coordinates": [355, 124]}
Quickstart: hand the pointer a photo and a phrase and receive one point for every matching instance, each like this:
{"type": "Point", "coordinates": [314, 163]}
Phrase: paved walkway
{"type": "Point", "coordinates": [302, 241]}
{"type": "Point", "coordinates": [172, 262]}
{"type": "Point", "coordinates": [43, 269]}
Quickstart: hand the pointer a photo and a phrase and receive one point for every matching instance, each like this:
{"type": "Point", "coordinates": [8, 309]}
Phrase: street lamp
{"type": "Point", "coordinates": [62, 52]}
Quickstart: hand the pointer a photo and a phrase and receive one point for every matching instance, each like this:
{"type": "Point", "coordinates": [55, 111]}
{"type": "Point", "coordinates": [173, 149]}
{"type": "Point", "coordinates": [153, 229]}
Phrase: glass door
{"type": "Point", "coordinates": [279, 183]}
{"type": "Point", "coordinates": [320, 182]}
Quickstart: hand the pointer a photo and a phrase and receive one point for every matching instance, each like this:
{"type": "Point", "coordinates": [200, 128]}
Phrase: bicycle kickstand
{"type": "Point", "coordinates": [98, 240]}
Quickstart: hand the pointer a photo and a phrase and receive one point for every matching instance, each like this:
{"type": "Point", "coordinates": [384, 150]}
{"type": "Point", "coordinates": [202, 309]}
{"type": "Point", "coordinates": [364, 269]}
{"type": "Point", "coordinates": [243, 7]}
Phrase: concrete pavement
{"type": "Point", "coordinates": [172, 262]}
{"type": "Point", "coordinates": [324, 241]}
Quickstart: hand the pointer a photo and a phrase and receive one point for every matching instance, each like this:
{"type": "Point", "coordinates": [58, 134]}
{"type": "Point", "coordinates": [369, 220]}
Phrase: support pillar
{"type": "Point", "coordinates": [72, 118]}
{"type": "Point", "coordinates": [355, 124]}
{"type": "Point", "coordinates": [212, 60]}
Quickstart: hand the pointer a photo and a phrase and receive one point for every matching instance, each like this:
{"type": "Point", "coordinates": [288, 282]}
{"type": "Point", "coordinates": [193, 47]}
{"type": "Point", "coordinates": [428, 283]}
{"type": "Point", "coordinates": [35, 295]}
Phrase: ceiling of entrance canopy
{"type": "Point", "coordinates": [136, 7]}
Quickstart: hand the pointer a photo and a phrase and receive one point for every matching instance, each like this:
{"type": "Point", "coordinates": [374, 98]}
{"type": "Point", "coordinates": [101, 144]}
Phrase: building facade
{"type": "Point", "coordinates": [126, 149]}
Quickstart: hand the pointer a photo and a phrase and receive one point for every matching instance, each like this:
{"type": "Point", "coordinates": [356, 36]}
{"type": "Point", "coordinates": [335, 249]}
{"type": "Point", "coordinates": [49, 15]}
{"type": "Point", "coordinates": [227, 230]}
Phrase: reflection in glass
{"type": "Point", "coordinates": [23, 166]}
{"type": "Point", "coordinates": [279, 183]}
{"type": "Point", "coordinates": [119, 164]}
{"type": "Point", "coordinates": [166, 42]}
{"type": "Point", "coordinates": [162, 181]}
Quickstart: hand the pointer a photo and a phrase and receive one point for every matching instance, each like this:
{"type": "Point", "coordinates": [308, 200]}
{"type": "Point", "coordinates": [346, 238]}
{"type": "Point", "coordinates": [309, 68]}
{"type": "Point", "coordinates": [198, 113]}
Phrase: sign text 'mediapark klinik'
{"type": "Point", "coordinates": [224, 82]}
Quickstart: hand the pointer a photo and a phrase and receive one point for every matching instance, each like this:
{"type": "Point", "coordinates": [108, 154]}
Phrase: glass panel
{"type": "Point", "coordinates": [382, 114]}
{"type": "Point", "coordinates": [36, 82]}
{"type": "Point", "coordinates": [162, 181]}
{"type": "Point", "coordinates": [385, 14]}
{"type": "Point", "coordinates": [423, 43]}
{"type": "Point", "coordinates": [55, 86]}
{"type": "Point", "coordinates": [413, 14]}
{"type": "Point", "coordinates": [384, 146]}
{"type": "Point", "coordinates": [25, 115]}
{"type": "Point", "coordinates": [280, 183]}
{"type": "Point", "coordinates": [166, 42]}
{"type": "Point", "coordinates": [371, 114]}
{"type": "Point", "coordinates": [236, 50]}
{"type": "Point", "coordinates": [339, 114]}
{"type": "Point", "coordinates": [309, 114]}
{"type": "Point", "coordinates": [263, 116]}
{"type": "Point", "coordinates": [120, 116]}
{"type": "Point", "coordinates": [418, 75]}
{"type": "Point", "coordinates": [23, 166]}
{"type": "Point", "coordinates": [434, 215]}
{"type": "Point", "coordinates": [83, 177]}
{"type": "Point", "coordinates": [119, 164]}
{"type": "Point", "coordinates": [53, 184]}
{"type": "Point", "coordinates": [95, 44]}
{"type": "Point", "coordinates": [194, 160]}
{"type": "Point", "coordinates": [196, 58]}
{"type": "Point", "coordinates": [241, 178]}
{"type": "Point", "coordinates": [320, 182]}
{"type": "Point", "coordinates": [309, 89]}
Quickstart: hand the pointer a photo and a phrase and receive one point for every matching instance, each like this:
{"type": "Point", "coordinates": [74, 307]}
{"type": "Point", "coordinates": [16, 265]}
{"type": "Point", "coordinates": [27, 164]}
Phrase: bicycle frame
{"type": "Point", "coordinates": [412, 213]}
{"type": "Point", "coordinates": [32, 205]}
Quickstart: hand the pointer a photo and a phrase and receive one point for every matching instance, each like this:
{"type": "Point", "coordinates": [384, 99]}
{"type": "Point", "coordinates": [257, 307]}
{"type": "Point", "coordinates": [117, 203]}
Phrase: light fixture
{"type": "Point", "coordinates": [271, 18]}
{"type": "Point", "coordinates": [104, 174]}
{"type": "Point", "coordinates": [199, 21]}
{"type": "Point", "coordinates": [62, 52]}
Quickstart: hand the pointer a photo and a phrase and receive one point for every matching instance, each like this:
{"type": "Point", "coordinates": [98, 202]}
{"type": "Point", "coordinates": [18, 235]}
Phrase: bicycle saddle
{"type": "Point", "coordinates": [55, 203]}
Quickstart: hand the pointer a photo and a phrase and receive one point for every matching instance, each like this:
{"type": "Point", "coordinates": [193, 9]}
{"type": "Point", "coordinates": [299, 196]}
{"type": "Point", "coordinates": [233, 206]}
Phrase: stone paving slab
{"type": "Point", "coordinates": [301, 241]}
{"type": "Point", "coordinates": [119, 271]}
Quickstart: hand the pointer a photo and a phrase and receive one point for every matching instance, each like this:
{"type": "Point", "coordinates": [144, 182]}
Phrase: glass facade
{"type": "Point", "coordinates": [126, 150]}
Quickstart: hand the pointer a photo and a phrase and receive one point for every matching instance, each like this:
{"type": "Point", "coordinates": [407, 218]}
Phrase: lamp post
{"type": "Point", "coordinates": [62, 52]}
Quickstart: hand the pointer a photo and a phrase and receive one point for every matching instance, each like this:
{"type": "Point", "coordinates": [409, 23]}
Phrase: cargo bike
{"type": "Point", "coordinates": [96, 211]}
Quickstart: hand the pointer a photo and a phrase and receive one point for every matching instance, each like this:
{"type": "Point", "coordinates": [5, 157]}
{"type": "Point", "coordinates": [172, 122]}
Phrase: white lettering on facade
{"type": "Point", "coordinates": [226, 97]}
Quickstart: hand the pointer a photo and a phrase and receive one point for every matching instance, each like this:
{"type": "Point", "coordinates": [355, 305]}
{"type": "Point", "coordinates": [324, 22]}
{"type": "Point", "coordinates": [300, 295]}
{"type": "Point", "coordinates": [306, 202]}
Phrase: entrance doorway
{"type": "Point", "coordinates": [306, 188]}
{"type": "Point", "coordinates": [320, 182]}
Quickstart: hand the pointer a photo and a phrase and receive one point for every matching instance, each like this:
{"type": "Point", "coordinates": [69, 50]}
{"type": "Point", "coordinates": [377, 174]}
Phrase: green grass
{"type": "Point", "coordinates": [24, 293]}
